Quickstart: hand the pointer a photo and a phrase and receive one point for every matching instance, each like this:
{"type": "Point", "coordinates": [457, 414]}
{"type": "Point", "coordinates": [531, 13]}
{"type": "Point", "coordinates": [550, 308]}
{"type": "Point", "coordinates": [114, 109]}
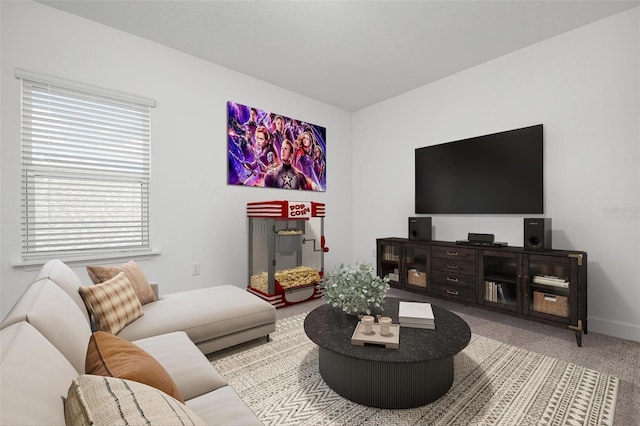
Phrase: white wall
{"type": "Point", "coordinates": [584, 87]}
{"type": "Point", "coordinates": [196, 217]}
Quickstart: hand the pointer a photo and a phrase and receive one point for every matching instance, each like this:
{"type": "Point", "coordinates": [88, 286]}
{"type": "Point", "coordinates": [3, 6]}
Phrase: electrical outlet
{"type": "Point", "coordinates": [195, 268]}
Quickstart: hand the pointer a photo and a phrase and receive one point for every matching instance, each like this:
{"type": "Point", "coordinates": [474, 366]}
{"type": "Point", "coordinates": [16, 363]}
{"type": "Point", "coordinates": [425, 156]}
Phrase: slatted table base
{"type": "Point", "coordinates": [386, 384]}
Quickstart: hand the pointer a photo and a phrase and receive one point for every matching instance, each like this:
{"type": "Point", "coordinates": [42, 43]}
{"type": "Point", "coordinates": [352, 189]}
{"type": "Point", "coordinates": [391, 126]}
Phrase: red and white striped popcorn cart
{"type": "Point", "coordinates": [286, 250]}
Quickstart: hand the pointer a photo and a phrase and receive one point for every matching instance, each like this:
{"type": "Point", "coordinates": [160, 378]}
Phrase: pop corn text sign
{"type": "Point", "coordinates": [299, 210]}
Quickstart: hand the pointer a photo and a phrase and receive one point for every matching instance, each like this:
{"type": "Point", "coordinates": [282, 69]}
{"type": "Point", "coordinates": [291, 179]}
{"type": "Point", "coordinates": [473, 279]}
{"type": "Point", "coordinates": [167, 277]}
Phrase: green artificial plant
{"type": "Point", "coordinates": [355, 289]}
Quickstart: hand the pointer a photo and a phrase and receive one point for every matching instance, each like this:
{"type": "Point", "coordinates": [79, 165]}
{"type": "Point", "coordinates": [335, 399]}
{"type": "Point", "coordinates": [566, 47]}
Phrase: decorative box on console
{"type": "Point", "coordinates": [417, 278]}
{"type": "Point", "coordinates": [286, 250]}
{"type": "Point", "coordinates": [550, 304]}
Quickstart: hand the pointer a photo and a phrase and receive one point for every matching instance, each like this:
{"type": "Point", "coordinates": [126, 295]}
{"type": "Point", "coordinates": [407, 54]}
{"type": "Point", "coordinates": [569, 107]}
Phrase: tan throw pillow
{"type": "Point", "coordinates": [109, 355]}
{"type": "Point", "coordinates": [113, 304]}
{"type": "Point", "coordinates": [138, 280]}
{"type": "Point", "coordinates": [97, 400]}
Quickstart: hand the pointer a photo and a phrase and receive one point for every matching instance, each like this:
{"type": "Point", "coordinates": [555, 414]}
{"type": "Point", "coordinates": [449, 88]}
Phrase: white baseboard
{"type": "Point", "coordinates": [622, 330]}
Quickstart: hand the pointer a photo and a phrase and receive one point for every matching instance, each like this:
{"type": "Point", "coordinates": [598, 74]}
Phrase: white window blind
{"type": "Point", "coordinates": [85, 170]}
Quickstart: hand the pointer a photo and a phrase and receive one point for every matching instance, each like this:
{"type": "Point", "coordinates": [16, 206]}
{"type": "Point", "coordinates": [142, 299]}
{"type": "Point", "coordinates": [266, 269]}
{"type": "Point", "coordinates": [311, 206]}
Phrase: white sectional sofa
{"type": "Point", "coordinates": [45, 337]}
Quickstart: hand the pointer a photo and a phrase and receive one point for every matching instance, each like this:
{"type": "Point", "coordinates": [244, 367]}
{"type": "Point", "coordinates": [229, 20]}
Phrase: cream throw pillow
{"type": "Point", "coordinates": [138, 280]}
{"type": "Point", "coordinates": [98, 400]}
{"type": "Point", "coordinates": [113, 304]}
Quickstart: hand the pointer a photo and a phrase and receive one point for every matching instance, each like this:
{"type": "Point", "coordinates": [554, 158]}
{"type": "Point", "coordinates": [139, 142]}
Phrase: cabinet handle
{"type": "Point", "coordinates": [455, 293]}
{"type": "Point", "coordinates": [452, 253]}
{"type": "Point", "coordinates": [453, 280]}
{"type": "Point", "coordinates": [452, 266]}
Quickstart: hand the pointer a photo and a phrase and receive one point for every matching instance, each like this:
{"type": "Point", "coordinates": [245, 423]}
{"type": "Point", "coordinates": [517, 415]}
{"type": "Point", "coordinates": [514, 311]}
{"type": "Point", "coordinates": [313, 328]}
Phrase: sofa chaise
{"type": "Point", "coordinates": [46, 335]}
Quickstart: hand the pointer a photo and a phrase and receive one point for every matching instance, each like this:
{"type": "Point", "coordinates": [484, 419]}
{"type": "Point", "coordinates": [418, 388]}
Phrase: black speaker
{"type": "Point", "coordinates": [537, 233]}
{"type": "Point", "coordinates": [420, 228]}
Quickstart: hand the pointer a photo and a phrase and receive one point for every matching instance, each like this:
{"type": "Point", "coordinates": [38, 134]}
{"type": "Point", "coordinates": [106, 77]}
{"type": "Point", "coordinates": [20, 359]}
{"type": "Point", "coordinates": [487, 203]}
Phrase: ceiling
{"type": "Point", "coordinates": [349, 54]}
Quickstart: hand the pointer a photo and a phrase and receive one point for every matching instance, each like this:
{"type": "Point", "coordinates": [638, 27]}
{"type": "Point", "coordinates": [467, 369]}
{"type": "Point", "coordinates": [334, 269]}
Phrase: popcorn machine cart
{"type": "Point", "coordinates": [286, 251]}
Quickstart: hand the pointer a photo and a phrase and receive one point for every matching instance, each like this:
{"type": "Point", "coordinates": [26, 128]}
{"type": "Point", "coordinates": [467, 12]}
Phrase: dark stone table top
{"type": "Point", "coordinates": [331, 329]}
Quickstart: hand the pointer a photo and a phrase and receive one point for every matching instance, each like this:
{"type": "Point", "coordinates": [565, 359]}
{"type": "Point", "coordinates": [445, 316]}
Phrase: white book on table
{"type": "Point", "coordinates": [415, 312]}
{"type": "Point", "coordinates": [429, 326]}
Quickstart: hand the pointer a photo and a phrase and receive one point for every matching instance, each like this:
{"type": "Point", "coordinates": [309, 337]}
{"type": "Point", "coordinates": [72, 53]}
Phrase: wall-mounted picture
{"type": "Point", "coordinates": [270, 150]}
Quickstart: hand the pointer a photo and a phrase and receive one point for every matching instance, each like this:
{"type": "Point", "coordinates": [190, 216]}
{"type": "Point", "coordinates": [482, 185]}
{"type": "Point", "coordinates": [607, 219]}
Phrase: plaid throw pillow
{"type": "Point", "coordinates": [113, 304]}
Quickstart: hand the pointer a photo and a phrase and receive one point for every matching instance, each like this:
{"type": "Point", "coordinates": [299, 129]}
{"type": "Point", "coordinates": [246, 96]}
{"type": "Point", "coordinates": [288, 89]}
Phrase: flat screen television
{"type": "Point", "coordinates": [500, 173]}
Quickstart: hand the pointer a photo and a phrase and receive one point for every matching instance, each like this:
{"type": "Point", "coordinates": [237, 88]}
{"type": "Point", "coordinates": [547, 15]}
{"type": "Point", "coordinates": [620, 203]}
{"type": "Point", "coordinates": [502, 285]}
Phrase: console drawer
{"type": "Point", "coordinates": [453, 279]}
{"type": "Point", "coordinates": [463, 254]}
{"type": "Point", "coordinates": [454, 292]}
{"type": "Point", "coordinates": [454, 266]}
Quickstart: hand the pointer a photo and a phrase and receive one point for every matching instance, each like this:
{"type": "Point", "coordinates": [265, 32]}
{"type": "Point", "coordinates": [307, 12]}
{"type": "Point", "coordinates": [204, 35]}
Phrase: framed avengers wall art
{"type": "Point", "coordinates": [269, 150]}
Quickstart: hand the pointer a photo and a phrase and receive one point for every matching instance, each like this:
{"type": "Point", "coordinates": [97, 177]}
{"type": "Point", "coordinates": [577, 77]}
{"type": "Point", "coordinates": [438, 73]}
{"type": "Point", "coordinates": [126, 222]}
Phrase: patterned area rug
{"type": "Point", "coordinates": [494, 384]}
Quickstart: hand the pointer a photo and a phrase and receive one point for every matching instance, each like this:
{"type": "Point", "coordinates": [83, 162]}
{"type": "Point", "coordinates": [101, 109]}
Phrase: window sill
{"type": "Point", "coordinates": [83, 260]}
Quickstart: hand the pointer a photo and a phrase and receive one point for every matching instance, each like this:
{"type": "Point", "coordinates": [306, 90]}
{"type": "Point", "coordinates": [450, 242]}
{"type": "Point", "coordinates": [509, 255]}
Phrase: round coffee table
{"type": "Point", "coordinates": [417, 373]}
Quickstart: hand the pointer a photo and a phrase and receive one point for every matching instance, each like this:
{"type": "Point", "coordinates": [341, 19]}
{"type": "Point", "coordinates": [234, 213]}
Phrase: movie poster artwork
{"type": "Point", "coordinates": [269, 150]}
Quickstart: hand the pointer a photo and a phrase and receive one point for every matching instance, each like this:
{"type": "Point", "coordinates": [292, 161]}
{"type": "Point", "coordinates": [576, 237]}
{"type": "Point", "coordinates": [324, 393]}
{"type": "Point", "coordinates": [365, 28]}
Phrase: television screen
{"type": "Point", "coordinates": [501, 173]}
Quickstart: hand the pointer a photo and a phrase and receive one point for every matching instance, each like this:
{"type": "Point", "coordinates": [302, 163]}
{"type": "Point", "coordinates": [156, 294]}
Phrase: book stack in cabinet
{"type": "Point", "coordinates": [548, 286]}
{"type": "Point", "coordinates": [500, 271]}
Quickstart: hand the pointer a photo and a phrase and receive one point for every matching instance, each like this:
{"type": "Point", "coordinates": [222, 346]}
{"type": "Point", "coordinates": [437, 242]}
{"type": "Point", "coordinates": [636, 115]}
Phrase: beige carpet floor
{"type": "Point", "coordinates": [495, 384]}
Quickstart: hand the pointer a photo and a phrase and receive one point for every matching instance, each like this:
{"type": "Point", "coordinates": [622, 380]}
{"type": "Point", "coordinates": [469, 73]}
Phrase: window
{"type": "Point", "coordinates": [85, 169]}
